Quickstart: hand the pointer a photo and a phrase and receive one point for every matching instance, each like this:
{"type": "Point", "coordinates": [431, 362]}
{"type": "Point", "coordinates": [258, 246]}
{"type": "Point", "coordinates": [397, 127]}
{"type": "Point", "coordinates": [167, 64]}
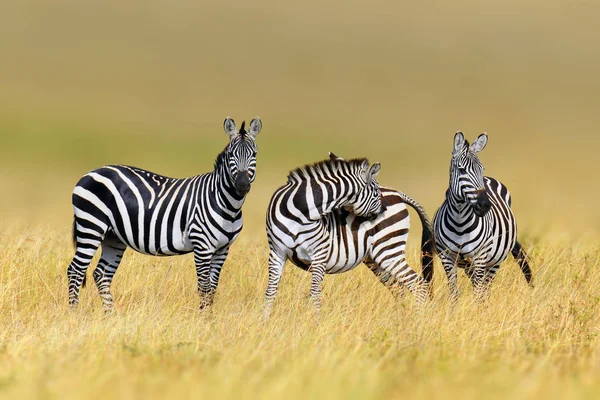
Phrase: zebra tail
{"type": "Point", "coordinates": [427, 243]}
{"type": "Point", "coordinates": [74, 238]}
{"type": "Point", "coordinates": [522, 259]}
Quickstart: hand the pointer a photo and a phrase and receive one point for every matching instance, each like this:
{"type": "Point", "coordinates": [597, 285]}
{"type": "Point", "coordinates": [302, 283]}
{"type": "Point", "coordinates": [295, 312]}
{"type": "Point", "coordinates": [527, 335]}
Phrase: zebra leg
{"type": "Point", "coordinates": [87, 241]}
{"type": "Point", "coordinates": [521, 257]}
{"type": "Point", "coordinates": [112, 254]}
{"type": "Point", "coordinates": [386, 279]}
{"type": "Point", "coordinates": [401, 272]}
{"type": "Point", "coordinates": [449, 264]}
{"type": "Point", "coordinates": [482, 279]}
{"type": "Point", "coordinates": [202, 260]}
{"type": "Point", "coordinates": [316, 285]}
{"type": "Point", "coordinates": [216, 264]}
{"type": "Point", "coordinates": [276, 264]}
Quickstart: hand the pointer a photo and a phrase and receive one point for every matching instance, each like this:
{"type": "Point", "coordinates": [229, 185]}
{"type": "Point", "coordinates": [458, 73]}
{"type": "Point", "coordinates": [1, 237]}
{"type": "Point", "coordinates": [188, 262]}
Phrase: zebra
{"type": "Point", "coordinates": [475, 228]}
{"type": "Point", "coordinates": [332, 216]}
{"type": "Point", "coordinates": [120, 206]}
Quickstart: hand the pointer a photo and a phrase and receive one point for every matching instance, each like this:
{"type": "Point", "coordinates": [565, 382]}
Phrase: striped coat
{"type": "Point", "coordinates": [117, 207]}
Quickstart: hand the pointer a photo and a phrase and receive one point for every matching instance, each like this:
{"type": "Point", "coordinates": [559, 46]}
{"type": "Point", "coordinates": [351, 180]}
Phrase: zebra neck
{"type": "Point", "coordinates": [317, 199]}
{"type": "Point", "coordinates": [224, 191]}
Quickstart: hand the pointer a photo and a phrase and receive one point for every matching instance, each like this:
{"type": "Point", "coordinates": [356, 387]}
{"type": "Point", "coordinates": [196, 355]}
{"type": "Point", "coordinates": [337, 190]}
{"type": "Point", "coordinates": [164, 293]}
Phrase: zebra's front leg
{"type": "Point", "coordinates": [203, 259]}
{"type": "Point", "coordinates": [482, 279]}
{"type": "Point", "coordinates": [449, 264]}
{"type": "Point", "coordinates": [216, 265]}
{"type": "Point", "coordinates": [276, 263]}
{"type": "Point", "coordinates": [317, 270]}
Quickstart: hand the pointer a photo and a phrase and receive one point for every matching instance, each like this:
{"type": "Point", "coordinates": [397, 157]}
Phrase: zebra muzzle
{"type": "Point", "coordinates": [242, 183]}
{"type": "Point", "coordinates": [482, 205]}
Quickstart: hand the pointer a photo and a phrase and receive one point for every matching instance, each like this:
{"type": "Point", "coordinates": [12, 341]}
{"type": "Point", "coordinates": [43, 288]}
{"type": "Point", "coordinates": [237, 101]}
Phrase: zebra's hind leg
{"type": "Point", "coordinates": [386, 279]}
{"type": "Point", "coordinates": [112, 254]}
{"type": "Point", "coordinates": [276, 264]}
{"type": "Point", "coordinates": [401, 272]}
{"type": "Point", "coordinates": [87, 238]}
{"type": "Point", "coordinates": [522, 259]}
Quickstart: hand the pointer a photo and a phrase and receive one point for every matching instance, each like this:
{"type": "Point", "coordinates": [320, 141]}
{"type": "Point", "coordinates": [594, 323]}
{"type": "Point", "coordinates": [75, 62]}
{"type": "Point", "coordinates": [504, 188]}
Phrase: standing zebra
{"type": "Point", "coordinates": [475, 228]}
{"type": "Point", "coordinates": [328, 219]}
{"type": "Point", "coordinates": [120, 206]}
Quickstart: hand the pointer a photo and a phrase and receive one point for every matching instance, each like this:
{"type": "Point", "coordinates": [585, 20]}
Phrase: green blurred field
{"type": "Point", "coordinates": [84, 84]}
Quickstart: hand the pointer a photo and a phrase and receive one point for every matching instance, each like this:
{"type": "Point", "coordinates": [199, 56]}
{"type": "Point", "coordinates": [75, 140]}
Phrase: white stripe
{"type": "Point", "coordinates": [141, 206]}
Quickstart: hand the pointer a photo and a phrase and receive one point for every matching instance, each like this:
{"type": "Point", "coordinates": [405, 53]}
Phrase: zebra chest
{"type": "Point", "coordinates": [218, 230]}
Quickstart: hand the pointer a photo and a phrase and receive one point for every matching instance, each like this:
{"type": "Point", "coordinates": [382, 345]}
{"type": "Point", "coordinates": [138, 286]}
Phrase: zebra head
{"type": "Point", "coordinates": [367, 202]}
{"type": "Point", "coordinates": [241, 154]}
{"type": "Point", "coordinates": [466, 173]}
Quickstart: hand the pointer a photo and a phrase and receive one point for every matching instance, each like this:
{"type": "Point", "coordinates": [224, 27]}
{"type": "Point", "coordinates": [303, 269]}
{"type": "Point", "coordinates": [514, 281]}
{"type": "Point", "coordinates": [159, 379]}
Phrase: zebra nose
{"type": "Point", "coordinates": [242, 183]}
{"type": "Point", "coordinates": [482, 204]}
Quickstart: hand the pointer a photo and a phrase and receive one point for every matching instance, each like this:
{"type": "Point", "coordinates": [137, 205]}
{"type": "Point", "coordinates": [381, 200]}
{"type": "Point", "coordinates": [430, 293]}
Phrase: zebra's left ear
{"type": "Point", "coordinates": [373, 171]}
{"type": "Point", "coordinates": [479, 144]}
{"type": "Point", "coordinates": [229, 126]}
{"type": "Point", "coordinates": [255, 127]}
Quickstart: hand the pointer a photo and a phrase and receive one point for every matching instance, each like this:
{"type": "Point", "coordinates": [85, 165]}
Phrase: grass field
{"type": "Point", "coordinates": [84, 84]}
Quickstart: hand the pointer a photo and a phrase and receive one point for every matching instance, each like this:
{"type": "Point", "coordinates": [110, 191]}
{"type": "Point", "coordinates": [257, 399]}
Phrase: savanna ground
{"type": "Point", "coordinates": [149, 84]}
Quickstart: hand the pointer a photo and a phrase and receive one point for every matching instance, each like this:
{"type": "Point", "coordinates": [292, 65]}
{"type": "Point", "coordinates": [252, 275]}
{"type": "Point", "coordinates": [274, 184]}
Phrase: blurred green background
{"type": "Point", "coordinates": [148, 83]}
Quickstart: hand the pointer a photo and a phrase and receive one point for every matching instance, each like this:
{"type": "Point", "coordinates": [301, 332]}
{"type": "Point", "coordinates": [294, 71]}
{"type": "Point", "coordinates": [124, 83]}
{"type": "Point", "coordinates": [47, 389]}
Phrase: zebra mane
{"type": "Point", "coordinates": [221, 159]}
{"type": "Point", "coordinates": [298, 173]}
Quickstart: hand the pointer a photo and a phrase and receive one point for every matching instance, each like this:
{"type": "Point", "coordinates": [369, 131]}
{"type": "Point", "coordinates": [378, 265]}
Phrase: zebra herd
{"type": "Point", "coordinates": [328, 218]}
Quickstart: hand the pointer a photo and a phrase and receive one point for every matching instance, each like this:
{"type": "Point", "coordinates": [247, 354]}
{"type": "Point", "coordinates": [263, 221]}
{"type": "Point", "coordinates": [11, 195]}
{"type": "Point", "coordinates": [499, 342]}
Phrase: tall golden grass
{"type": "Point", "coordinates": [84, 84]}
{"type": "Point", "coordinates": [540, 343]}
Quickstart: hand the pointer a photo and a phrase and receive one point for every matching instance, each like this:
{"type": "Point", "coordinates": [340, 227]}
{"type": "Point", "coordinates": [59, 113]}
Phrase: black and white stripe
{"type": "Point", "coordinates": [319, 222]}
{"type": "Point", "coordinates": [120, 206]}
{"type": "Point", "coordinates": [475, 228]}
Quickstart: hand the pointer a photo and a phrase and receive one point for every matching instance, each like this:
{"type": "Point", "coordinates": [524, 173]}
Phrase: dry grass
{"type": "Point", "coordinates": [540, 343]}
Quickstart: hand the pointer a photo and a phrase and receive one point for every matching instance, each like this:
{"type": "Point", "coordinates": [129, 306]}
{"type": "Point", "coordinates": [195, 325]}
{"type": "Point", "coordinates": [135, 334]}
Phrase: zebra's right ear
{"type": "Point", "coordinates": [229, 126]}
{"type": "Point", "coordinates": [333, 157]}
{"type": "Point", "coordinates": [373, 171]}
{"type": "Point", "coordinates": [459, 143]}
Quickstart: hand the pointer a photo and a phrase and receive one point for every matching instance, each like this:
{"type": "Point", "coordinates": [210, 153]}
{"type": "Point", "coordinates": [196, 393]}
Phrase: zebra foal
{"type": "Point", "coordinates": [475, 228]}
{"type": "Point", "coordinates": [119, 206]}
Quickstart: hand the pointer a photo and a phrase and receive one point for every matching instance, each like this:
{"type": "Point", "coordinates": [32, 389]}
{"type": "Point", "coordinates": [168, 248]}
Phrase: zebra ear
{"type": "Point", "coordinates": [229, 126]}
{"type": "Point", "coordinates": [480, 143]}
{"type": "Point", "coordinates": [459, 143]}
{"type": "Point", "coordinates": [255, 127]}
{"type": "Point", "coordinates": [373, 171]}
{"type": "Point", "coordinates": [333, 157]}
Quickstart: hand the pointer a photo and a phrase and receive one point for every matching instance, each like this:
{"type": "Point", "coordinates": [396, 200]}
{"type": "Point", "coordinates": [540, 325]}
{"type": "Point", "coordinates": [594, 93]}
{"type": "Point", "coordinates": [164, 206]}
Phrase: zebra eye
{"type": "Point", "coordinates": [462, 170]}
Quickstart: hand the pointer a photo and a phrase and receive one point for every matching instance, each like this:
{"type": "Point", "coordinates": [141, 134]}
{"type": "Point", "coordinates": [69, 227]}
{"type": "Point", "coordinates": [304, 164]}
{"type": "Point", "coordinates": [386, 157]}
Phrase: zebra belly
{"type": "Point", "coordinates": [345, 252]}
{"type": "Point", "coordinates": [163, 245]}
{"type": "Point", "coordinates": [302, 257]}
